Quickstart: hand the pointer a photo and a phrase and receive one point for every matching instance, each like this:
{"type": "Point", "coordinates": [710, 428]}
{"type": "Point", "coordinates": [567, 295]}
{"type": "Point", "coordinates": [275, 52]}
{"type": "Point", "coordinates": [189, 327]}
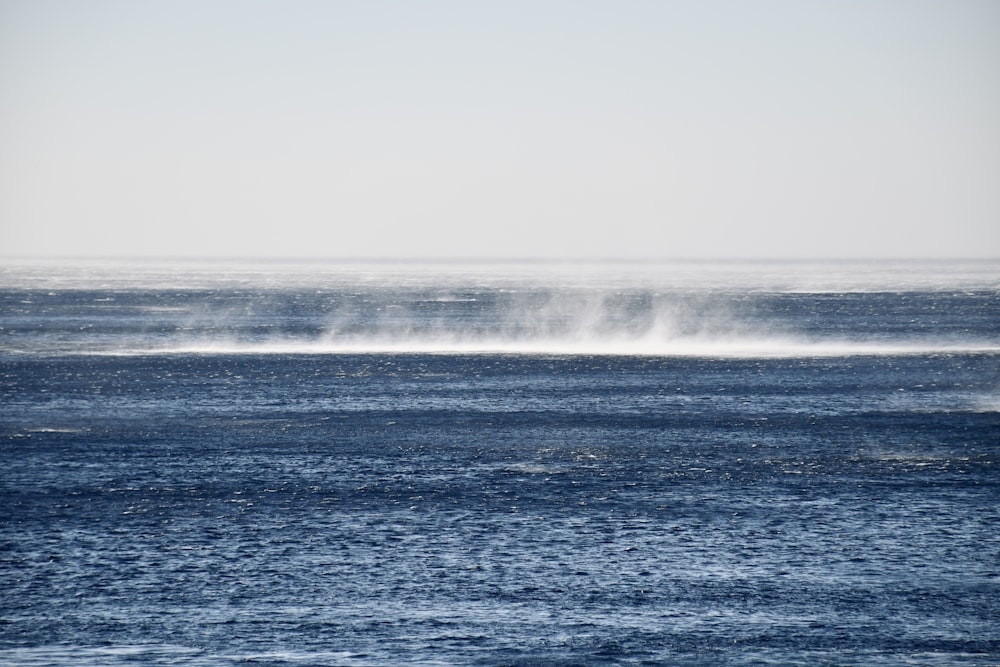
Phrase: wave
{"type": "Point", "coordinates": [774, 348]}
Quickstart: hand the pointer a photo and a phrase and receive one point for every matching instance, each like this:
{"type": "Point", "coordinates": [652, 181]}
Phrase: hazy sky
{"type": "Point", "coordinates": [544, 128]}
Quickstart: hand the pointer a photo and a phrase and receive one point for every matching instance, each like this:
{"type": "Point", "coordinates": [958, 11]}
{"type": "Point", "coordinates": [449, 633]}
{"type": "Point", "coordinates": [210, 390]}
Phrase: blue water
{"type": "Point", "coordinates": [726, 465]}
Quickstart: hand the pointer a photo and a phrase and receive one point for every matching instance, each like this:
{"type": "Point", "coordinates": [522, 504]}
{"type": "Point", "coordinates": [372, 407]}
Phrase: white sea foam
{"type": "Point", "coordinates": [987, 403]}
{"type": "Point", "coordinates": [735, 349]}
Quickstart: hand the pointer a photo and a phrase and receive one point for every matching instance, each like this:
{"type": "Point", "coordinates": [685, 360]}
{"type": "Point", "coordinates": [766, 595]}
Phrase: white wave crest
{"type": "Point", "coordinates": [735, 348]}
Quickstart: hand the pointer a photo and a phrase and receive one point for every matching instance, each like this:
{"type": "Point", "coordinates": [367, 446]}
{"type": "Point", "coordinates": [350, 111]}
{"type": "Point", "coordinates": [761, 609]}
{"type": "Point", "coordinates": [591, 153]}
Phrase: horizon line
{"type": "Point", "coordinates": [390, 259]}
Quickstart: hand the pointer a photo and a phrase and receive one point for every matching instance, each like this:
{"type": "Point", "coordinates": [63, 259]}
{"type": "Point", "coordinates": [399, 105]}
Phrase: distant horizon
{"type": "Point", "coordinates": [831, 275]}
{"type": "Point", "coordinates": [355, 259]}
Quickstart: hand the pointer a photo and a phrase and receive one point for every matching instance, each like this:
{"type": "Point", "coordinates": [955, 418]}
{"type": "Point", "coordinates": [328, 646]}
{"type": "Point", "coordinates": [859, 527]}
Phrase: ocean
{"type": "Point", "coordinates": [522, 463]}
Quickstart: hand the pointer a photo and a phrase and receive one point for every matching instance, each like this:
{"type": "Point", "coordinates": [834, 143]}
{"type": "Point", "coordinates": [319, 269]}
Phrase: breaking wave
{"type": "Point", "coordinates": [736, 349]}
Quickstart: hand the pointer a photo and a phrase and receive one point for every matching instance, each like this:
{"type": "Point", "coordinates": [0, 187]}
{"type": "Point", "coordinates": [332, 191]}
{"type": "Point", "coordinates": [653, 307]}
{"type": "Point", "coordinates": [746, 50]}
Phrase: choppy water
{"type": "Point", "coordinates": [506, 465]}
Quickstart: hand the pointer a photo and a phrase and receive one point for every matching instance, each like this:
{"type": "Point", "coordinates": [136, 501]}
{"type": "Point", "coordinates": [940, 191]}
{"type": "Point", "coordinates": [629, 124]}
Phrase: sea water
{"type": "Point", "coordinates": [505, 464]}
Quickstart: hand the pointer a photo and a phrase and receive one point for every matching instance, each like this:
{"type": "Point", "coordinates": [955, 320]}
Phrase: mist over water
{"type": "Point", "coordinates": [722, 309]}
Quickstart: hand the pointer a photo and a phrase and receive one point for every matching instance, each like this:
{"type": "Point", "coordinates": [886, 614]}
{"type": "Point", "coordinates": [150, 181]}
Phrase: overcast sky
{"type": "Point", "coordinates": [544, 128]}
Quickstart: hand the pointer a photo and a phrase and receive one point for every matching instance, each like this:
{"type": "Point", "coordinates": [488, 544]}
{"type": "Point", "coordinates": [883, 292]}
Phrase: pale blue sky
{"type": "Point", "coordinates": [566, 129]}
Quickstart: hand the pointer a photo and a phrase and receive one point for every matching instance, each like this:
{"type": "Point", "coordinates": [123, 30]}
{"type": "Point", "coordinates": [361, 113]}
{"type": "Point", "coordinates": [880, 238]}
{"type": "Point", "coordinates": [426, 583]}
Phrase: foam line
{"type": "Point", "coordinates": [736, 349]}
